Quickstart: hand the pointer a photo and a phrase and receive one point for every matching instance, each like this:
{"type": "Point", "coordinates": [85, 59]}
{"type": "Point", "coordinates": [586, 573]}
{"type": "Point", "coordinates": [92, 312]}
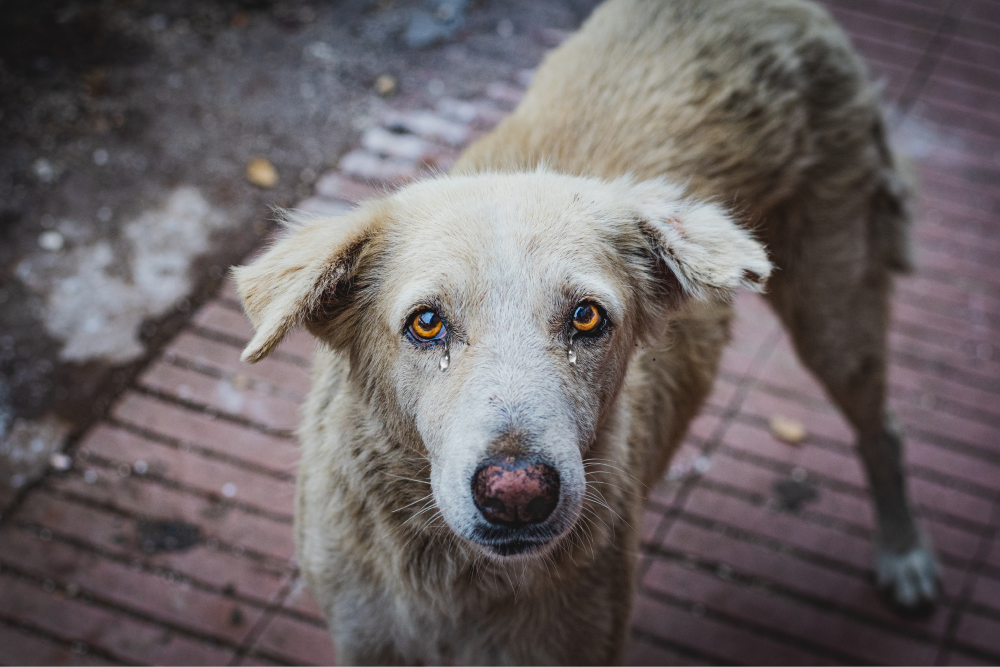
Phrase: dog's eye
{"type": "Point", "coordinates": [587, 318]}
{"type": "Point", "coordinates": [427, 325]}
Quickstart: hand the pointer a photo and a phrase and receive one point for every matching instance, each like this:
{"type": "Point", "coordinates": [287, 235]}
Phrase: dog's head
{"type": "Point", "coordinates": [489, 321]}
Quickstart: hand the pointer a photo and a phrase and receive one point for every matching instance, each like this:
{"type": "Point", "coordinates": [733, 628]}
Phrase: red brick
{"type": "Point", "coordinates": [209, 475]}
{"type": "Point", "coordinates": [714, 638]}
{"type": "Point", "coordinates": [323, 207]}
{"type": "Point", "coordinates": [650, 523]}
{"type": "Point", "coordinates": [752, 327]}
{"type": "Point", "coordinates": [507, 96]}
{"type": "Point", "coordinates": [681, 467]}
{"type": "Point", "coordinates": [821, 420]}
{"type": "Point", "coordinates": [956, 352]}
{"type": "Point", "coordinates": [948, 325]}
{"type": "Point", "coordinates": [971, 127]}
{"type": "Point", "coordinates": [225, 320]}
{"type": "Point", "coordinates": [754, 440]}
{"type": "Point", "coordinates": [831, 464]}
{"type": "Point", "coordinates": [941, 459]}
{"type": "Point", "coordinates": [782, 527]}
{"type": "Point", "coordinates": [974, 97]}
{"type": "Point", "coordinates": [203, 430]}
{"type": "Point", "coordinates": [430, 125]}
{"type": "Point", "coordinates": [723, 391]}
{"type": "Point", "coordinates": [368, 166]}
{"type": "Point", "coordinates": [954, 657]}
{"type": "Point", "coordinates": [383, 142]}
{"type": "Point", "coordinates": [932, 230]}
{"type": "Point", "coordinates": [957, 201]}
{"type": "Point", "coordinates": [22, 648]}
{"type": "Point", "coordinates": [221, 520]}
{"type": "Point", "coordinates": [957, 262]}
{"type": "Point", "coordinates": [116, 535]}
{"type": "Point", "coordinates": [957, 503]}
{"type": "Point", "coordinates": [959, 218]}
{"type": "Point", "coordinates": [786, 615]}
{"type": "Point", "coordinates": [975, 41]}
{"type": "Point", "coordinates": [335, 185]}
{"type": "Point", "coordinates": [754, 479]}
{"type": "Point", "coordinates": [980, 632]}
{"type": "Point", "coordinates": [299, 642]}
{"type": "Point", "coordinates": [880, 52]}
{"type": "Point", "coordinates": [122, 634]}
{"type": "Point", "coordinates": [703, 426]}
{"type": "Point", "coordinates": [888, 27]}
{"type": "Point", "coordinates": [268, 376]}
{"type": "Point", "coordinates": [994, 556]}
{"type": "Point", "coordinates": [987, 592]}
{"type": "Point", "coordinates": [221, 395]}
{"type": "Point", "coordinates": [849, 508]}
{"type": "Point", "coordinates": [641, 652]}
{"type": "Point", "coordinates": [926, 382]}
{"type": "Point", "coordinates": [300, 599]}
{"type": "Point", "coordinates": [738, 358]}
{"type": "Point", "coordinates": [791, 572]}
{"type": "Point", "coordinates": [918, 13]}
{"type": "Point", "coordinates": [959, 64]}
{"type": "Point", "coordinates": [783, 370]}
{"type": "Point", "coordinates": [196, 610]}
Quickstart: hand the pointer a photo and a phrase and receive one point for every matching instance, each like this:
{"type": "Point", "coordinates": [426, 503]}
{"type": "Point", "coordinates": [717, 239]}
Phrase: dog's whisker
{"type": "Point", "coordinates": [408, 479]}
{"type": "Point", "coordinates": [400, 509]}
{"type": "Point", "coordinates": [599, 498]}
{"type": "Point", "coordinates": [604, 462]}
{"type": "Point", "coordinates": [598, 517]}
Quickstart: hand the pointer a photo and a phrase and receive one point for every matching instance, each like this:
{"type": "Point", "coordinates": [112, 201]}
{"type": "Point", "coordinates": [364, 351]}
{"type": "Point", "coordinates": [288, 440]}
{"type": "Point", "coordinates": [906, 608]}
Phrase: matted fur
{"type": "Point", "coordinates": [647, 146]}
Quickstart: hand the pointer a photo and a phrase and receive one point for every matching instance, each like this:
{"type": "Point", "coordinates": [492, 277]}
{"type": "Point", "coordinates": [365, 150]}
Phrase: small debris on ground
{"type": "Point", "coordinates": [60, 462]}
{"type": "Point", "coordinates": [792, 494]}
{"type": "Point", "coordinates": [385, 85]}
{"type": "Point", "coordinates": [51, 241]}
{"type": "Point", "coordinates": [788, 430]}
{"type": "Point", "coordinates": [156, 536]}
{"type": "Point", "coordinates": [262, 173]}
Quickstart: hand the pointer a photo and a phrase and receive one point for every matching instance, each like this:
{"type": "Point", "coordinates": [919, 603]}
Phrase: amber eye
{"type": "Point", "coordinates": [587, 318]}
{"type": "Point", "coordinates": [426, 325]}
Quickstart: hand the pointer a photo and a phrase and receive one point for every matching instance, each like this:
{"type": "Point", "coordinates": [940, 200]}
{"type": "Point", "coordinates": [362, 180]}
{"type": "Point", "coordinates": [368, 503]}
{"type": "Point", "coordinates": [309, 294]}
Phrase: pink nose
{"type": "Point", "coordinates": [515, 493]}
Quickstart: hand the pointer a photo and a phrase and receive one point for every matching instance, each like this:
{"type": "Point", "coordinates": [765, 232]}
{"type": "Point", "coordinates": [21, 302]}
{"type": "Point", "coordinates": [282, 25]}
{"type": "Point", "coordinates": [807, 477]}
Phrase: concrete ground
{"type": "Point", "coordinates": [165, 534]}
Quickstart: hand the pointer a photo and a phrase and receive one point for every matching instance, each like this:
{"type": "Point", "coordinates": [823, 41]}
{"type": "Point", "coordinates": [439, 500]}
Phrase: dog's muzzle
{"type": "Point", "coordinates": [515, 496]}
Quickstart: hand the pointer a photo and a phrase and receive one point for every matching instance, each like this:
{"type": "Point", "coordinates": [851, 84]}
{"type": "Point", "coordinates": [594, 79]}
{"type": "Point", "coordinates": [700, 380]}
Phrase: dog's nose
{"type": "Point", "coordinates": [514, 493]}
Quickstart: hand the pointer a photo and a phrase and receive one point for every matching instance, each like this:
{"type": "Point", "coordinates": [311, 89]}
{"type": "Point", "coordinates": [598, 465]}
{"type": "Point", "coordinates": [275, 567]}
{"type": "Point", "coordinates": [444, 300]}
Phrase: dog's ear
{"type": "Point", "coordinates": [707, 254]}
{"type": "Point", "coordinates": [303, 272]}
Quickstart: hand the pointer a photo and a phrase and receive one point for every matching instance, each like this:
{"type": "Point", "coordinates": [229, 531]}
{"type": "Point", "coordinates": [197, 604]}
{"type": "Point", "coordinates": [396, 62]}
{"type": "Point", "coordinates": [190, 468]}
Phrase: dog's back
{"type": "Point", "coordinates": [742, 102]}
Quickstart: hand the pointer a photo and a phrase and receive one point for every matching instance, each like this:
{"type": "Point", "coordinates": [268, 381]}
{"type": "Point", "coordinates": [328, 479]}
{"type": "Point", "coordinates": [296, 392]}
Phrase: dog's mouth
{"type": "Point", "coordinates": [504, 542]}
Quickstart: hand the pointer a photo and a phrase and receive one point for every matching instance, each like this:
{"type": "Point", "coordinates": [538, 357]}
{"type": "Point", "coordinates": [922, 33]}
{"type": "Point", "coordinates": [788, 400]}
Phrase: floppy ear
{"type": "Point", "coordinates": [709, 255]}
{"type": "Point", "coordinates": [285, 286]}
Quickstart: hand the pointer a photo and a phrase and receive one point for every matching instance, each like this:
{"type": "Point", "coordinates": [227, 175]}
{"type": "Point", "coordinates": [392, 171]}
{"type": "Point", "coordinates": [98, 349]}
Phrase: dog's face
{"type": "Point", "coordinates": [490, 319]}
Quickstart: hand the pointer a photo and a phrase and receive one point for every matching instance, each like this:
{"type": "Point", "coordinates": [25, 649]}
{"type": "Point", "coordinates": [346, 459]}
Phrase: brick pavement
{"type": "Point", "coordinates": [169, 539]}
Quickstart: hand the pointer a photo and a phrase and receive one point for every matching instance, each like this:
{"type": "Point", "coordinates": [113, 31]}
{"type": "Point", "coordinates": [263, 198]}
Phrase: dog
{"type": "Point", "coordinates": [510, 353]}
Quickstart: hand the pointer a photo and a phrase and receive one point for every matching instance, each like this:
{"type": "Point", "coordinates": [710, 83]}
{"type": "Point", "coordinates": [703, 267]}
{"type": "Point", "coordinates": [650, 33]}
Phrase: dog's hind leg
{"type": "Point", "coordinates": [832, 292]}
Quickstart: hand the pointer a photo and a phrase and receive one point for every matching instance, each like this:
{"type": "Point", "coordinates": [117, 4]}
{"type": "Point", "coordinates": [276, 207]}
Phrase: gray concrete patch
{"type": "Point", "coordinates": [96, 311]}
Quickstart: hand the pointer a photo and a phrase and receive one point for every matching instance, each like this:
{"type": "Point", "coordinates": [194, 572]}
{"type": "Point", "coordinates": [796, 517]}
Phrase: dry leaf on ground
{"type": "Point", "coordinates": [788, 430]}
{"type": "Point", "coordinates": [385, 85]}
{"type": "Point", "coordinates": [261, 172]}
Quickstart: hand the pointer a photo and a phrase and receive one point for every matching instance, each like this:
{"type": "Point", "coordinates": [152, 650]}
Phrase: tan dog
{"type": "Point", "coordinates": [510, 355]}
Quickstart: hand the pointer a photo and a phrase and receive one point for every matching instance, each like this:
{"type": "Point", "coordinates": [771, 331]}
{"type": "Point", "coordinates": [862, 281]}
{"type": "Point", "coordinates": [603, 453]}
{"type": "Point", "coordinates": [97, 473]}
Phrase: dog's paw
{"type": "Point", "coordinates": [908, 580]}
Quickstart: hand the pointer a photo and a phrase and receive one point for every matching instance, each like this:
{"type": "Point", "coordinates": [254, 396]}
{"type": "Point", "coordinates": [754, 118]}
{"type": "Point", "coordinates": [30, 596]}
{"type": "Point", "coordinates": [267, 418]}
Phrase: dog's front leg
{"type": "Point", "coordinates": [365, 631]}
